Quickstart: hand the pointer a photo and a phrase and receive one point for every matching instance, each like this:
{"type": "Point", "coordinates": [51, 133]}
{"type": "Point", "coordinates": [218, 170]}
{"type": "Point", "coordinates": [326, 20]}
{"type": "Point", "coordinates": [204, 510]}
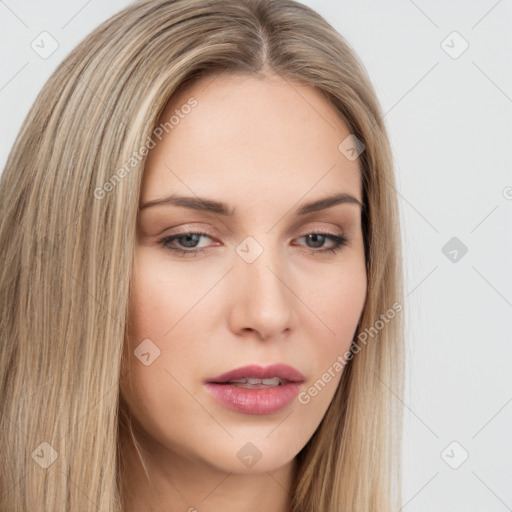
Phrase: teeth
{"type": "Point", "coordinates": [274, 381]}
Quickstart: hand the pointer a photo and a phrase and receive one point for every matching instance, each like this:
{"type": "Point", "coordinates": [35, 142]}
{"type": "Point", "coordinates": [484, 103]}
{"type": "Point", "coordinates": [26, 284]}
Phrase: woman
{"type": "Point", "coordinates": [201, 283]}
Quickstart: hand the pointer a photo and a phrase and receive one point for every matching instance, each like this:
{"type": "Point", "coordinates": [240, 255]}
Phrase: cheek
{"type": "Point", "coordinates": [338, 305]}
{"type": "Point", "coordinates": [160, 295]}
{"type": "Point", "coordinates": [337, 301]}
{"type": "Point", "coordinates": [156, 308]}
{"type": "Point", "coordinates": [347, 296]}
{"type": "Point", "coordinates": [158, 321]}
{"type": "Point", "coordinates": [168, 317]}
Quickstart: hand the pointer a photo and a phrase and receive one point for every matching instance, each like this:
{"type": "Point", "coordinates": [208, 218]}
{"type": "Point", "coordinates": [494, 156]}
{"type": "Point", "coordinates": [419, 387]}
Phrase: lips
{"type": "Point", "coordinates": [255, 389]}
{"type": "Point", "coordinates": [252, 373]}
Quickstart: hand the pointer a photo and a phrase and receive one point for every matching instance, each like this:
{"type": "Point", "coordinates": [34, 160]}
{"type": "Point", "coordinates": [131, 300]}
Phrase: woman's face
{"type": "Point", "coordinates": [234, 275]}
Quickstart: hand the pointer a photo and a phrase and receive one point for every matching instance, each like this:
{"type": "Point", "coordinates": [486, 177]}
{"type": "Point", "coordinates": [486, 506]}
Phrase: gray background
{"type": "Point", "coordinates": [450, 122]}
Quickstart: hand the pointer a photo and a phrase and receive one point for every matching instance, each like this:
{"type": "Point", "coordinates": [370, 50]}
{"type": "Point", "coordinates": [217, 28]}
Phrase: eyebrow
{"type": "Point", "coordinates": [208, 205]}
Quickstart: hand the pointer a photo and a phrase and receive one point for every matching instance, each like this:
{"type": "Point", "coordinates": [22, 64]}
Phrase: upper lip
{"type": "Point", "coordinates": [283, 371]}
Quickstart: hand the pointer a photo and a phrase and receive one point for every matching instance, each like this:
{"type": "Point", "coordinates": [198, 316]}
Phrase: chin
{"type": "Point", "coordinates": [251, 454]}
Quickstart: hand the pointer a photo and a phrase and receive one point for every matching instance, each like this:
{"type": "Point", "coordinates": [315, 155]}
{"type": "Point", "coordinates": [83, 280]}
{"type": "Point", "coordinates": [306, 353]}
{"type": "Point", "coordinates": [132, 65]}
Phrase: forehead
{"type": "Point", "coordinates": [250, 137]}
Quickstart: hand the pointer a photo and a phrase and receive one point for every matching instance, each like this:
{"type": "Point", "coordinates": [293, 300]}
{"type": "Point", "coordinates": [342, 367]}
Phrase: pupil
{"type": "Point", "coordinates": [190, 238]}
{"type": "Point", "coordinates": [317, 239]}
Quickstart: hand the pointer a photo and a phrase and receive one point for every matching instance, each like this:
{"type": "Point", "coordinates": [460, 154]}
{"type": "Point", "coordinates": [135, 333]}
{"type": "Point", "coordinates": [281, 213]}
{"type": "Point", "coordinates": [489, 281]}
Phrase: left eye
{"type": "Point", "coordinates": [190, 240]}
{"type": "Point", "coordinates": [318, 239]}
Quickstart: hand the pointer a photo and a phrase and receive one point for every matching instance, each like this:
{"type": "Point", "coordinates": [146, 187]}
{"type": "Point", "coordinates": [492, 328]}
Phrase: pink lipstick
{"type": "Point", "coordinates": [256, 389]}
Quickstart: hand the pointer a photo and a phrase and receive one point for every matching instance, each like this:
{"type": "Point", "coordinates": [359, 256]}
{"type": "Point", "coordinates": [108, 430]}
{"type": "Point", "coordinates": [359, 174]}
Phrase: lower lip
{"type": "Point", "coordinates": [254, 401]}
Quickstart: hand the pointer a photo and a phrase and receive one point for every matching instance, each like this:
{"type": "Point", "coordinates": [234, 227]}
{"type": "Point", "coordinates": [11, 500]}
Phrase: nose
{"type": "Point", "coordinates": [263, 299]}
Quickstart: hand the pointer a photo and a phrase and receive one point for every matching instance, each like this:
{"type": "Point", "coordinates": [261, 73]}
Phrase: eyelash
{"type": "Point", "coordinates": [339, 240]}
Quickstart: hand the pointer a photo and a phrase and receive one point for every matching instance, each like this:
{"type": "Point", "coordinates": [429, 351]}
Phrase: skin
{"type": "Point", "coordinates": [264, 148]}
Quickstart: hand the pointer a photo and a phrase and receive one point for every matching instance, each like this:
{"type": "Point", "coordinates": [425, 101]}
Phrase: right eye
{"type": "Point", "coordinates": [187, 239]}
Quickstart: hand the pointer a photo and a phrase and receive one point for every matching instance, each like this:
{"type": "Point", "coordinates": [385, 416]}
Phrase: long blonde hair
{"type": "Point", "coordinates": [67, 240]}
